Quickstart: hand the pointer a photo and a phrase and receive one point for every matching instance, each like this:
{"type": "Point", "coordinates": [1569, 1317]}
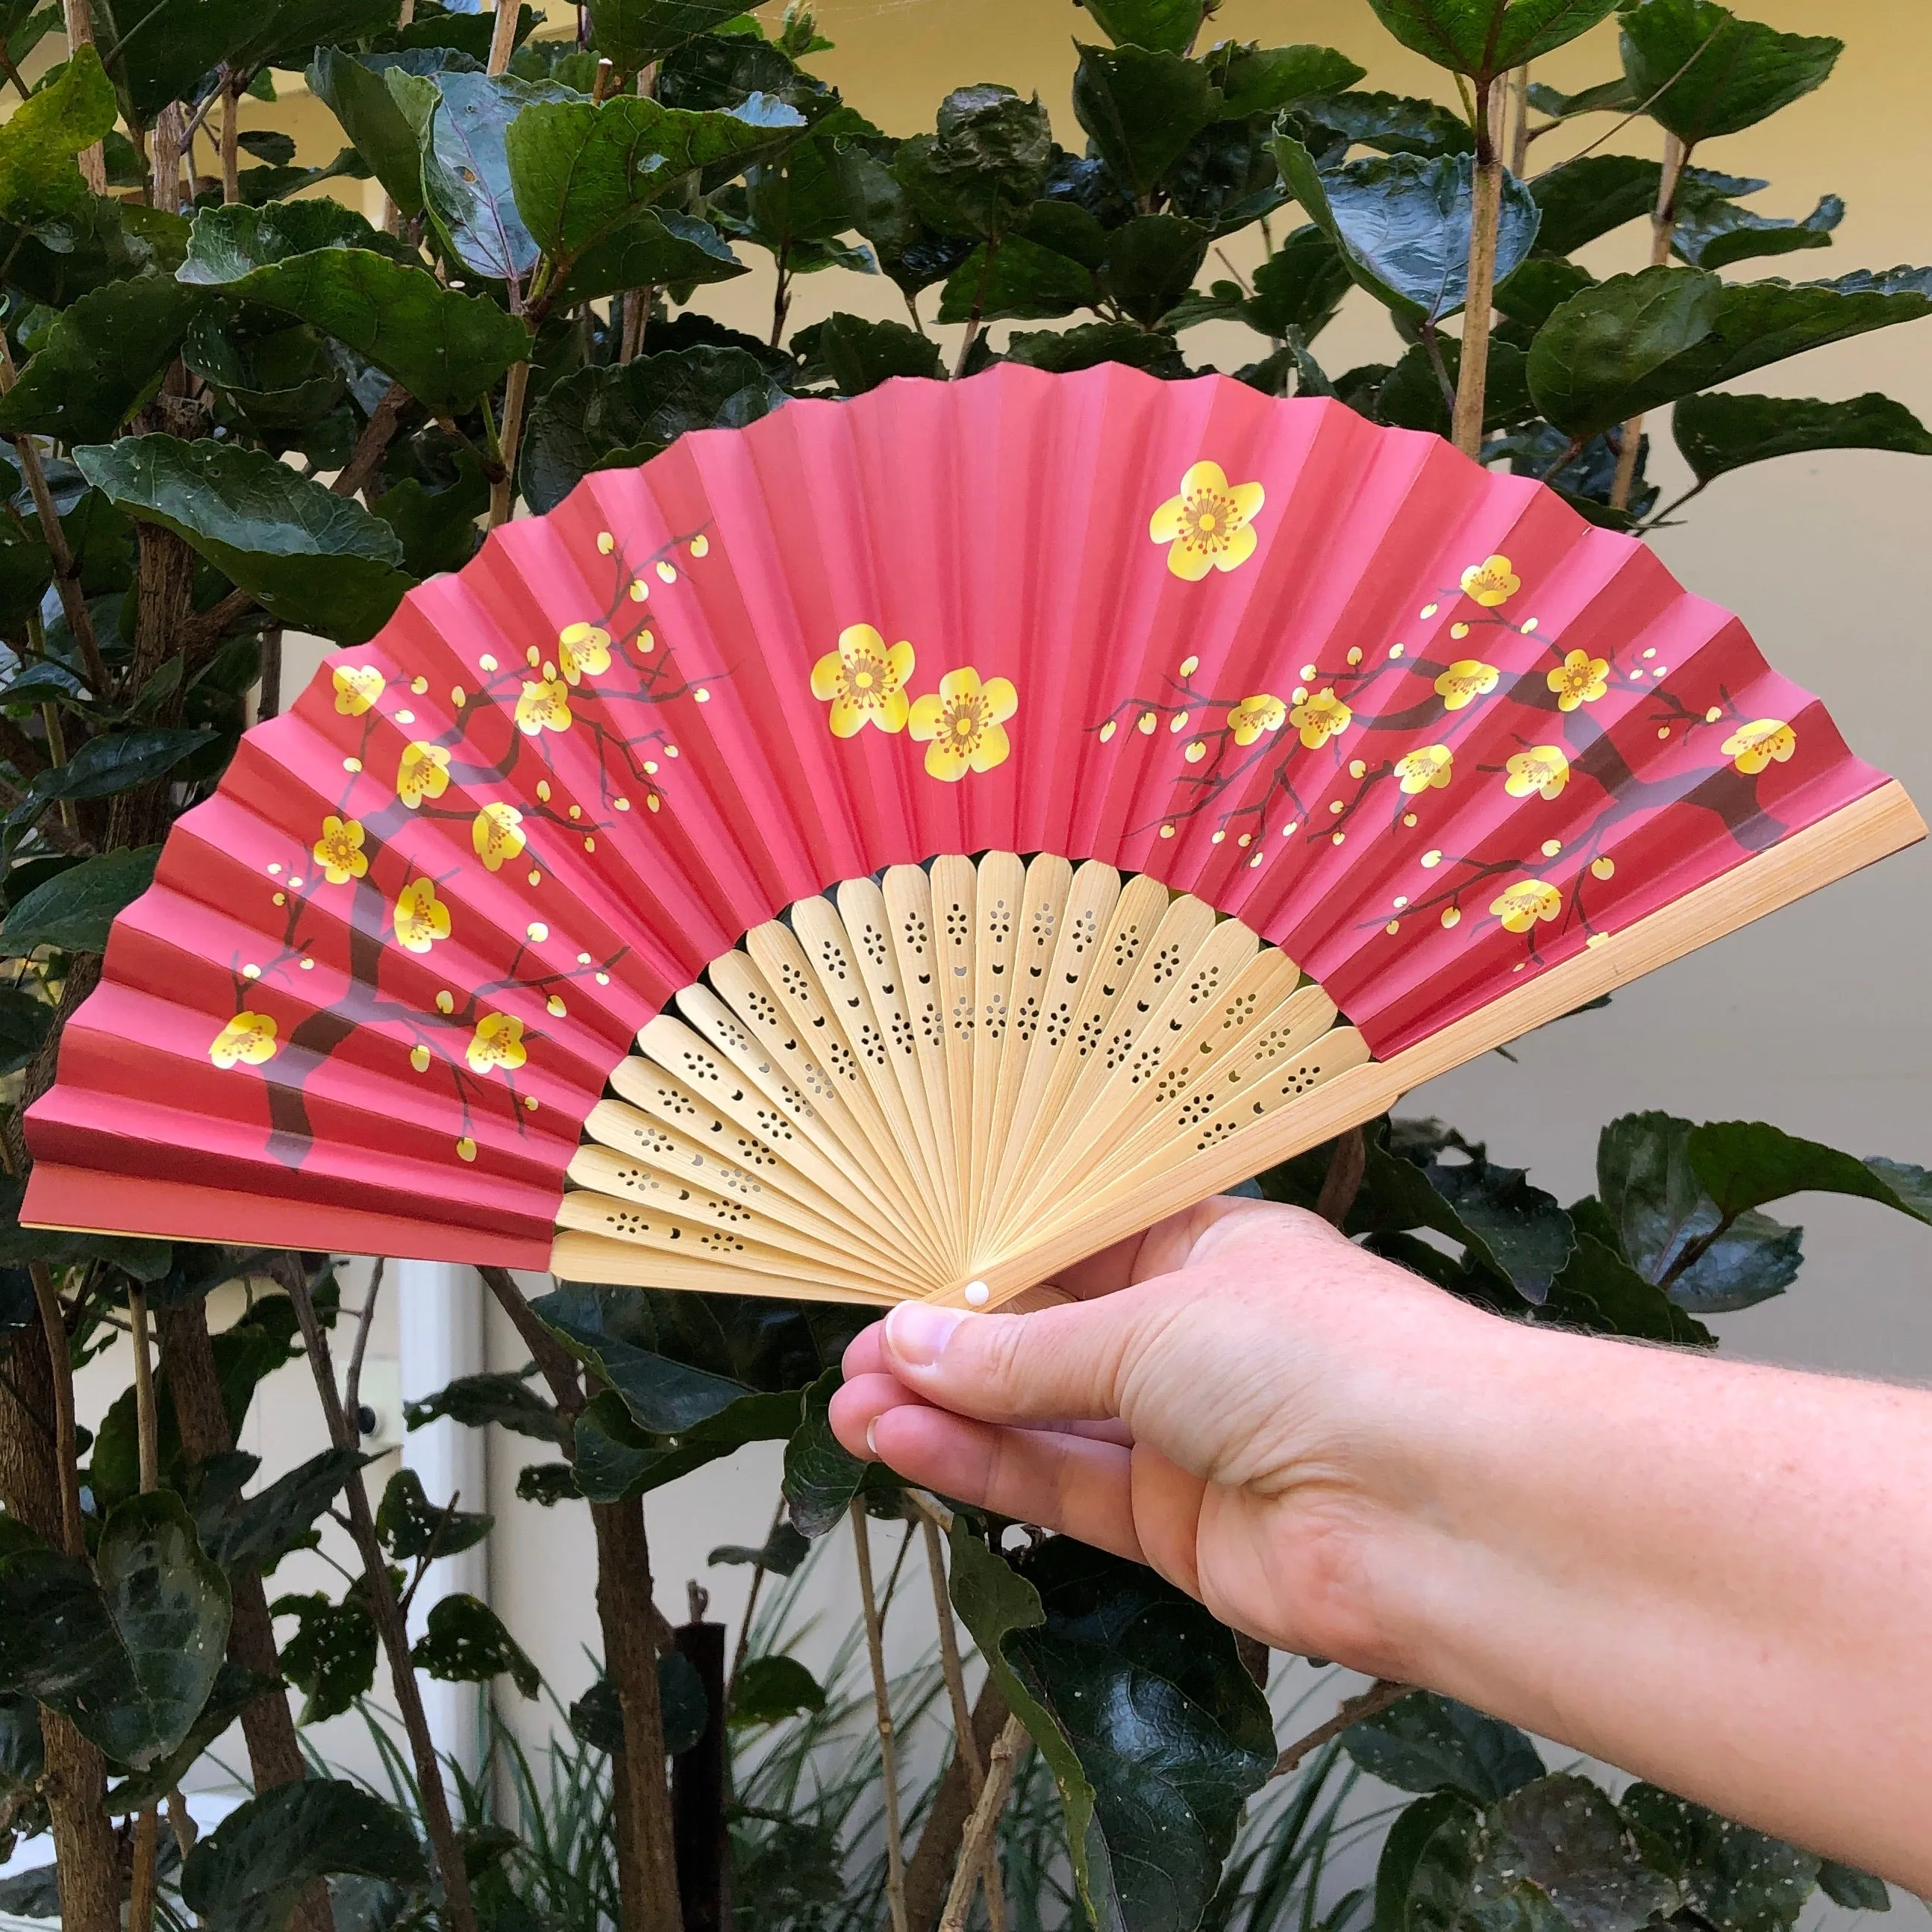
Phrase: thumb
{"type": "Point", "coordinates": [1060, 1364]}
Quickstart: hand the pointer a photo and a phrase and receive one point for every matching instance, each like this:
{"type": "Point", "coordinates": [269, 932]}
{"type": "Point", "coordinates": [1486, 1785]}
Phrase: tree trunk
{"type": "Point", "coordinates": [77, 1776]}
{"type": "Point", "coordinates": [929, 1872]}
{"type": "Point", "coordinates": [625, 1610]}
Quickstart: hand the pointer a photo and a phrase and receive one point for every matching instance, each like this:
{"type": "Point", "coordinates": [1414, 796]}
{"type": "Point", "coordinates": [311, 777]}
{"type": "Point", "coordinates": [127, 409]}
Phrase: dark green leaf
{"type": "Point", "coordinates": [604, 417]}
{"type": "Point", "coordinates": [1428, 1865]}
{"type": "Point", "coordinates": [1090, 343]}
{"type": "Point", "coordinates": [22, 1760]}
{"type": "Point", "coordinates": [1150, 262]}
{"type": "Point", "coordinates": [437, 527]}
{"type": "Point", "coordinates": [983, 167]}
{"type": "Point", "coordinates": [616, 1460]}
{"type": "Point", "coordinates": [684, 1711]}
{"type": "Point", "coordinates": [769, 1689]}
{"type": "Point", "coordinates": [547, 1484]}
{"type": "Point", "coordinates": [24, 1022]}
{"type": "Point", "coordinates": [73, 909]}
{"type": "Point", "coordinates": [158, 51]}
{"type": "Point", "coordinates": [1714, 232]}
{"type": "Point", "coordinates": [248, 1874]}
{"type": "Point", "coordinates": [781, 1552]}
{"type": "Point", "coordinates": [1403, 224]}
{"type": "Point", "coordinates": [820, 1477]}
{"type": "Point", "coordinates": [1606, 354]}
{"type": "Point", "coordinates": [1855, 1890]}
{"type": "Point", "coordinates": [1701, 71]}
{"type": "Point", "coordinates": [1391, 124]}
{"type": "Point", "coordinates": [859, 356]}
{"type": "Point", "coordinates": [1722, 432]}
{"type": "Point", "coordinates": [1607, 97]}
{"type": "Point", "coordinates": [1142, 108]}
{"type": "Point", "coordinates": [331, 1657]}
{"type": "Point", "coordinates": [1168, 26]}
{"type": "Point", "coordinates": [32, 1894]}
{"type": "Point", "coordinates": [100, 362]}
{"type": "Point", "coordinates": [453, 29]}
{"type": "Point", "coordinates": [1743, 1164]}
{"type": "Point", "coordinates": [1425, 1742]}
{"type": "Point", "coordinates": [1412, 397]}
{"type": "Point", "coordinates": [1588, 197]}
{"type": "Point", "coordinates": [411, 1525]}
{"type": "Point", "coordinates": [284, 35]}
{"type": "Point", "coordinates": [1020, 280]}
{"type": "Point", "coordinates": [259, 1530]}
{"type": "Point", "coordinates": [446, 349]}
{"type": "Point", "coordinates": [1484, 38]}
{"type": "Point", "coordinates": [1599, 1292]}
{"type": "Point", "coordinates": [464, 1642]}
{"type": "Point", "coordinates": [315, 559]}
{"type": "Point", "coordinates": [352, 89]}
{"type": "Point", "coordinates": [598, 1718]}
{"type": "Point", "coordinates": [1263, 80]}
{"type": "Point", "coordinates": [1563, 1836]}
{"type": "Point", "coordinates": [913, 254]}
{"type": "Point", "coordinates": [40, 138]}
{"type": "Point", "coordinates": [235, 1688]}
{"type": "Point", "coordinates": [503, 1397]}
{"type": "Point", "coordinates": [1534, 292]}
{"type": "Point", "coordinates": [1732, 1877]}
{"type": "Point", "coordinates": [634, 33]}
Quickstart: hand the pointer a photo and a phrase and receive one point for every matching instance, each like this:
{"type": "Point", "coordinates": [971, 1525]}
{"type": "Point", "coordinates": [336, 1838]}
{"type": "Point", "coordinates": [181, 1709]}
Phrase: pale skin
{"type": "Point", "coordinates": [1714, 1575]}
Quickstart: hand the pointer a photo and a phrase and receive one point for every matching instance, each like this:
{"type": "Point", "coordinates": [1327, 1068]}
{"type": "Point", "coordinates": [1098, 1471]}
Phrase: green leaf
{"type": "Point", "coordinates": [1856, 1890]}
{"type": "Point", "coordinates": [1733, 1878]}
{"type": "Point", "coordinates": [547, 1484]}
{"type": "Point", "coordinates": [1141, 109]}
{"type": "Point", "coordinates": [598, 1719]}
{"type": "Point", "coordinates": [613, 416]}
{"type": "Point", "coordinates": [332, 1655]}
{"type": "Point", "coordinates": [1484, 38]}
{"type": "Point", "coordinates": [249, 1874]}
{"type": "Point", "coordinates": [1167, 26]}
{"type": "Point", "coordinates": [1019, 281]}
{"type": "Point", "coordinates": [1656, 1208]}
{"type": "Point", "coordinates": [24, 1024]}
{"type": "Point", "coordinates": [1391, 124]}
{"type": "Point", "coordinates": [1139, 1702]}
{"type": "Point", "coordinates": [820, 1476]}
{"type": "Point", "coordinates": [1722, 432]}
{"type": "Point", "coordinates": [1588, 197]}
{"type": "Point", "coordinates": [1713, 232]}
{"type": "Point", "coordinates": [1411, 395]}
{"type": "Point", "coordinates": [117, 761]}
{"type": "Point", "coordinates": [1607, 97]}
{"type": "Point", "coordinates": [315, 560]}
{"type": "Point", "coordinates": [410, 1525]}
{"type": "Point", "coordinates": [684, 1711]}
{"type": "Point", "coordinates": [1403, 224]}
{"type": "Point", "coordinates": [258, 1531]}
{"type": "Point", "coordinates": [1534, 292]}
{"type": "Point", "coordinates": [464, 1642]}
{"type": "Point", "coordinates": [781, 1552]}
{"type": "Point", "coordinates": [631, 34]}
{"type": "Point", "coordinates": [1742, 1164]}
{"type": "Point", "coordinates": [1702, 71]}
{"type": "Point", "coordinates": [74, 909]}
{"type": "Point", "coordinates": [1606, 354]}
{"type": "Point", "coordinates": [446, 349]}
{"type": "Point", "coordinates": [39, 139]}
{"type": "Point", "coordinates": [32, 1894]}
{"type": "Point", "coordinates": [101, 360]}
{"type": "Point", "coordinates": [351, 87]}
{"type": "Point", "coordinates": [1300, 286]}
{"type": "Point", "coordinates": [1150, 262]}
{"type": "Point", "coordinates": [1064, 350]}
{"type": "Point", "coordinates": [984, 166]}
{"type": "Point", "coordinates": [1425, 1742]}
{"type": "Point", "coordinates": [859, 355]}
{"type": "Point", "coordinates": [1263, 80]}
{"type": "Point", "coordinates": [1600, 1294]}
{"type": "Point", "coordinates": [157, 51]}
{"type": "Point", "coordinates": [235, 1688]}
{"type": "Point", "coordinates": [768, 1689]}
{"type": "Point", "coordinates": [1563, 1834]}
{"type": "Point", "coordinates": [503, 1397]}
{"type": "Point", "coordinates": [22, 1759]}
{"type": "Point", "coordinates": [911, 254]}
{"type": "Point", "coordinates": [584, 175]}
{"type": "Point", "coordinates": [1427, 1865]}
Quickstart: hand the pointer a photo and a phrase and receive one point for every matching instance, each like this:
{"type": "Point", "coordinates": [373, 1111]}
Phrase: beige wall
{"type": "Point", "coordinates": [1815, 1018]}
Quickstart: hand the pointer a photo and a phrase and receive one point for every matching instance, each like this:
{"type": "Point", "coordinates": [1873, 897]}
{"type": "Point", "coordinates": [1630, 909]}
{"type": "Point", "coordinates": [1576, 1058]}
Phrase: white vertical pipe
{"type": "Point", "coordinates": [440, 1337]}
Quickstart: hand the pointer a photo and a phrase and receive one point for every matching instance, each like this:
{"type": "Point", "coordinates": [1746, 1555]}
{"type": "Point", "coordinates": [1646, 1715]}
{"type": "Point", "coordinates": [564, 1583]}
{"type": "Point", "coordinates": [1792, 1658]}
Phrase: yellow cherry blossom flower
{"type": "Point", "coordinates": [864, 680]}
{"type": "Point", "coordinates": [1253, 716]}
{"type": "Point", "coordinates": [421, 918]}
{"type": "Point", "coordinates": [964, 727]}
{"type": "Point", "coordinates": [582, 650]}
{"type": "Point", "coordinates": [247, 1039]}
{"type": "Point", "coordinates": [1761, 742]}
{"type": "Point", "coordinates": [1581, 680]}
{"type": "Point", "coordinates": [357, 688]}
{"type": "Point", "coordinates": [498, 1041]}
{"type": "Point", "coordinates": [1211, 525]}
{"type": "Point", "coordinates": [544, 705]}
{"type": "Point", "coordinates": [1320, 718]}
{"type": "Point", "coordinates": [1542, 768]}
{"type": "Point", "coordinates": [339, 850]}
{"type": "Point", "coordinates": [1425, 768]}
{"type": "Point", "coordinates": [423, 773]}
{"type": "Point", "coordinates": [1465, 680]}
{"type": "Point", "coordinates": [496, 834]}
{"type": "Point", "coordinates": [1491, 582]}
{"type": "Point", "coordinates": [1521, 905]}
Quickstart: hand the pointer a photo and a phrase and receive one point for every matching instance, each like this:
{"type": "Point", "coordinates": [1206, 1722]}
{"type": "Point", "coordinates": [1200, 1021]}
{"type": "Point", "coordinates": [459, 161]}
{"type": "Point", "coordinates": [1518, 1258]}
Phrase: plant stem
{"type": "Point", "coordinates": [231, 137]}
{"type": "Point", "coordinates": [459, 1913]}
{"type": "Point", "coordinates": [269, 699]}
{"type": "Point", "coordinates": [352, 1383]}
{"type": "Point", "coordinates": [875, 1649]}
{"type": "Point", "coordinates": [977, 1848]}
{"type": "Point", "coordinates": [1663, 229]}
{"type": "Point", "coordinates": [503, 35]}
{"type": "Point", "coordinates": [1472, 373]}
{"type": "Point", "coordinates": [1379, 1696]}
{"type": "Point", "coordinates": [1519, 95]}
{"type": "Point", "coordinates": [79, 19]}
{"type": "Point", "coordinates": [1343, 1180]}
{"type": "Point", "coordinates": [55, 1328]}
{"type": "Point", "coordinates": [148, 1437]}
{"type": "Point", "coordinates": [366, 458]}
{"type": "Point", "coordinates": [750, 1605]}
{"type": "Point", "coordinates": [503, 491]}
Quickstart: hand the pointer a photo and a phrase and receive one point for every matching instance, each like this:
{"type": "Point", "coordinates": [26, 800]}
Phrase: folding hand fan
{"type": "Point", "coordinates": [901, 847]}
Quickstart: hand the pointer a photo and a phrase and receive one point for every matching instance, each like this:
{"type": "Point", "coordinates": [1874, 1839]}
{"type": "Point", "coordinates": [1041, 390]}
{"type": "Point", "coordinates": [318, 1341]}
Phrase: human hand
{"type": "Point", "coordinates": [1231, 1397]}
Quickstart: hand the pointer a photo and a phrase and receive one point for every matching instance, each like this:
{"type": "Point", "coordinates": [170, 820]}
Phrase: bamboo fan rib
{"type": "Point", "coordinates": [916, 1080]}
